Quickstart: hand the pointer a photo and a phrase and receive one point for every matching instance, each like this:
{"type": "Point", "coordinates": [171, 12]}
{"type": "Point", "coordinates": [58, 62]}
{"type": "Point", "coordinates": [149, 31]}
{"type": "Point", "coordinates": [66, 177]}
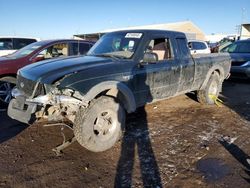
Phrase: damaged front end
{"type": "Point", "coordinates": [44, 102]}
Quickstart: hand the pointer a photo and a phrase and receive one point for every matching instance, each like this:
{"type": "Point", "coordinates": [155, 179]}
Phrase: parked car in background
{"type": "Point", "coordinates": [218, 46]}
{"type": "Point", "coordinates": [198, 47]}
{"type": "Point", "coordinates": [240, 54]}
{"type": "Point", "coordinates": [9, 45]}
{"type": "Point", "coordinates": [213, 47]}
{"type": "Point", "coordinates": [32, 53]}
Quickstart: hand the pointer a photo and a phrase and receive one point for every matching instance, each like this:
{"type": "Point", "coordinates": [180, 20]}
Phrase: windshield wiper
{"type": "Point", "coordinates": [109, 55]}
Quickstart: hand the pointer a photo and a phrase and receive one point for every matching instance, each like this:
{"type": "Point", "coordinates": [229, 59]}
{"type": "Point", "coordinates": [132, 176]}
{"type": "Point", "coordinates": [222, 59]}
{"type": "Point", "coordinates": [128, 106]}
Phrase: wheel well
{"type": "Point", "coordinates": [118, 90]}
{"type": "Point", "coordinates": [117, 95]}
{"type": "Point", "coordinates": [217, 70]}
{"type": "Point", "coordinates": [8, 75]}
{"type": "Point", "coordinates": [8, 78]}
{"type": "Point", "coordinates": [220, 73]}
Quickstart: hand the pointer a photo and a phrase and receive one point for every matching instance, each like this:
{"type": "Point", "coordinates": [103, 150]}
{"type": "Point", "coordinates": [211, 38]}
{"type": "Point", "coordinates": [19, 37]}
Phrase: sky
{"type": "Point", "coordinates": [48, 19]}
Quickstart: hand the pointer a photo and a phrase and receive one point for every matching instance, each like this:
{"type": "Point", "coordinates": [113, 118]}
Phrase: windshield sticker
{"type": "Point", "coordinates": [133, 35]}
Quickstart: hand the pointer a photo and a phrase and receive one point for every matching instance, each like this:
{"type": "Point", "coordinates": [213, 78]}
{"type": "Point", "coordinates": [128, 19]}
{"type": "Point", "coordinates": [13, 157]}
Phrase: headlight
{"type": "Point", "coordinates": [15, 92]}
{"type": "Point", "coordinates": [49, 88]}
{"type": "Point", "coordinates": [246, 64]}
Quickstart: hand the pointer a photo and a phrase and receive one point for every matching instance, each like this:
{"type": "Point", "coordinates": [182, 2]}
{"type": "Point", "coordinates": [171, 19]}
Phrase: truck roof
{"type": "Point", "coordinates": [46, 42]}
{"type": "Point", "coordinates": [151, 31]}
{"type": "Point", "coordinates": [19, 37]}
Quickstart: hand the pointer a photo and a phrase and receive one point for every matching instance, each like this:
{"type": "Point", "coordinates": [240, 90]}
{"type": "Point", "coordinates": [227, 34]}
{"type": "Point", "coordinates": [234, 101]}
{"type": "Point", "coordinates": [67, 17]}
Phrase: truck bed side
{"type": "Point", "coordinates": [205, 64]}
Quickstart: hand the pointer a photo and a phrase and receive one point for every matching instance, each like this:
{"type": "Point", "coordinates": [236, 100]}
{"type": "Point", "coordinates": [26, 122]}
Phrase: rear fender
{"type": "Point", "coordinates": [215, 68]}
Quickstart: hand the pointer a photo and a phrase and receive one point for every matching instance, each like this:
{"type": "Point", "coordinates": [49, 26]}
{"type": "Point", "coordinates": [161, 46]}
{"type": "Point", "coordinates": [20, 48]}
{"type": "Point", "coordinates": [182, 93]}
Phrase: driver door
{"type": "Point", "coordinates": [157, 79]}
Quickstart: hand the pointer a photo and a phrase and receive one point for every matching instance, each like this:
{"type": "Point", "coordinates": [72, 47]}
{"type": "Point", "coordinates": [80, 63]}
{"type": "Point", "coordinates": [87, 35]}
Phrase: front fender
{"type": "Point", "coordinates": [107, 85]}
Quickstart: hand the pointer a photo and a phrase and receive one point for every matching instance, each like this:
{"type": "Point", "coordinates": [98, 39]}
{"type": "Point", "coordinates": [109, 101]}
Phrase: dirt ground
{"type": "Point", "coordinates": [172, 143]}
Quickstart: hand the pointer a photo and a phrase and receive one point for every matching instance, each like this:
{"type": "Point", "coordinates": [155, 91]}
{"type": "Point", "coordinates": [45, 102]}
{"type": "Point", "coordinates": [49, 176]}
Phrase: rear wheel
{"type": "Point", "coordinates": [99, 127]}
{"type": "Point", "coordinates": [6, 86]}
{"type": "Point", "coordinates": [211, 91]}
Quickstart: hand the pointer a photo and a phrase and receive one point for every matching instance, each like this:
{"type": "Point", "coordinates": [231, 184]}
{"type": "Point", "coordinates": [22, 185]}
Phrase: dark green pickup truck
{"type": "Point", "coordinates": [122, 71]}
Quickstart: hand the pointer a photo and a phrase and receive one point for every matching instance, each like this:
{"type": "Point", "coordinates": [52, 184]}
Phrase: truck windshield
{"type": "Point", "coordinates": [119, 45]}
{"type": "Point", "coordinates": [240, 47]}
{"type": "Point", "coordinates": [26, 50]}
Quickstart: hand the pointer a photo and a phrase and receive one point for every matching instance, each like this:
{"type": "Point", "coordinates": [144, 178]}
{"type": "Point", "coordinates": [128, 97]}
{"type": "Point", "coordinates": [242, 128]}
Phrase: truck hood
{"type": "Point", "coordinates": [6, 59]}
{"type": "Point", "coordinates": [240, 56]}
{"type": "Point", "coordinates": [49, 71]}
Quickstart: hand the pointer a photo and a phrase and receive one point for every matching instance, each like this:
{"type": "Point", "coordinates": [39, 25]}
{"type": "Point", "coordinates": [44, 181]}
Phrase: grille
{"type": "Point", "coordinates": [28, 86]}
{"type": "Point", "coordinates": [238, 63]}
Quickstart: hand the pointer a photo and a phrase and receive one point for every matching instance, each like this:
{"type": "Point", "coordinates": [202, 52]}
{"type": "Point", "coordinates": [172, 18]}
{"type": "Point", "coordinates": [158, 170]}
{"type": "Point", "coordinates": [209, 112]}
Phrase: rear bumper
{"type": "Point", "coordinates": [22, 111]}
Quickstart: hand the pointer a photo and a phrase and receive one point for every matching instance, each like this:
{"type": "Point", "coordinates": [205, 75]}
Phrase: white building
{"type": "Point", "coordinates": [245, 31]}
{"type": "Point", "coordinates": [190, 29]}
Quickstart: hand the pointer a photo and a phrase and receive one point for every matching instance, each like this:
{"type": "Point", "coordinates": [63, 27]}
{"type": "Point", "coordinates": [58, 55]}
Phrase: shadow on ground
{"type": "Point", "coordinates": [9, 128]}
{"type": "Point", "coordinates": [136, 141]}
{"type": "Point", "coordinates": [239, 155]}
{"type": "Point", "coordinates": [237, 97]}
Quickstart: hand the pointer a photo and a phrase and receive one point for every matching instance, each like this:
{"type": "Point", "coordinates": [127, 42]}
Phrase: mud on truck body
{"type": "Point", "coordinates": [122, 71]}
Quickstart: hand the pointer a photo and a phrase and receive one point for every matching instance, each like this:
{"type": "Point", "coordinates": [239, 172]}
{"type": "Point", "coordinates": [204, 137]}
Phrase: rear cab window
{"type": "Point", "coordinates": [183, 47]}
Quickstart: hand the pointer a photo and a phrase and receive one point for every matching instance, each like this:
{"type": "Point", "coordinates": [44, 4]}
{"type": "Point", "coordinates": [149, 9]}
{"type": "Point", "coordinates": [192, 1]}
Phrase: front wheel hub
{"type": "Point", "coordinates": [104, 125]}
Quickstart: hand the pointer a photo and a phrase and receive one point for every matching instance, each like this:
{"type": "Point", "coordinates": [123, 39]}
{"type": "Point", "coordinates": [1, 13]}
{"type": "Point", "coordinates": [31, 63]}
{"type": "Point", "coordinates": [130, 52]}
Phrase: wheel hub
{"type": "Point", "coordinates": [213, 89]}
{"type": "Point", "coordinates": [5, 91]}
{"type": "Point", "coordinates": [104, 124]}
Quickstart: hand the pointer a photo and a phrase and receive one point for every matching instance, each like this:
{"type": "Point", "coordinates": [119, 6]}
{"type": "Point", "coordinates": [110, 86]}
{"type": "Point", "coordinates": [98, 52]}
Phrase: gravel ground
{"type": "Point", "coordinates": [172, 143]}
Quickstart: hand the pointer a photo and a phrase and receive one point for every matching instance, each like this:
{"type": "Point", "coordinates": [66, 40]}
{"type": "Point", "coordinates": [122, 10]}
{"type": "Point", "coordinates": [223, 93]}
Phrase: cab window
{"type": "Point", "coordinates": [183, 47]}
{"type": "Point", "coordinates": [79, 48]}
{"type": "Point", "coordinates": [6, 44]}
{"type": "Point", "coordinates": [161, 48]}
{"type": "Point", "coordinates": [20, 43]}
{"type": "Point", "coordinates": [57, 50]}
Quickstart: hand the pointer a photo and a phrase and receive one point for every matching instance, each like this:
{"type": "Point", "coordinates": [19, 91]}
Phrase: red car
{"type": "Point", "coordinates": [32, 53]}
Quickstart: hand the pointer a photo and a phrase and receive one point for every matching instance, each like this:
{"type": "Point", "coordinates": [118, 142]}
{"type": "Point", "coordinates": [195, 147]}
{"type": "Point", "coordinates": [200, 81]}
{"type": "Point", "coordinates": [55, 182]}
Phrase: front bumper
{"type": "Point", "coordinates": [21, 110]}
{"type": "Point", "coordinates": [24, 109]}
{"type": "Point", "coordinates": [240, 72]}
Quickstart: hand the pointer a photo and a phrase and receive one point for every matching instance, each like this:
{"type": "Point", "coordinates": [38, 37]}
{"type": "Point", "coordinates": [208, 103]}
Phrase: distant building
{"type": "Point", "coordinates": [245, 31]}
{"type": "Point", "coordinates": [190, 29]}
{"type": "Point", "coordinates": [213, 38]}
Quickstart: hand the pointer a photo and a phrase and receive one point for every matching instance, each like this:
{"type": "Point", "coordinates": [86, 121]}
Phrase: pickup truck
{"type": "Point", "coordinates": [122, 71]}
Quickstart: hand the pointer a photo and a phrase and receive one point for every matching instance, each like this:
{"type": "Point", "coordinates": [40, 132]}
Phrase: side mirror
{"type": "Point", "coordinates": [150, 57]}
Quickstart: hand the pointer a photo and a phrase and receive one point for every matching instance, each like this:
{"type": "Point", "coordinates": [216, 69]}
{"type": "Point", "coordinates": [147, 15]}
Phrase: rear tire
{"type": "Point", "coordinates": [212, 89]}
{"type": "Point", "coordinates": [100, 126]}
